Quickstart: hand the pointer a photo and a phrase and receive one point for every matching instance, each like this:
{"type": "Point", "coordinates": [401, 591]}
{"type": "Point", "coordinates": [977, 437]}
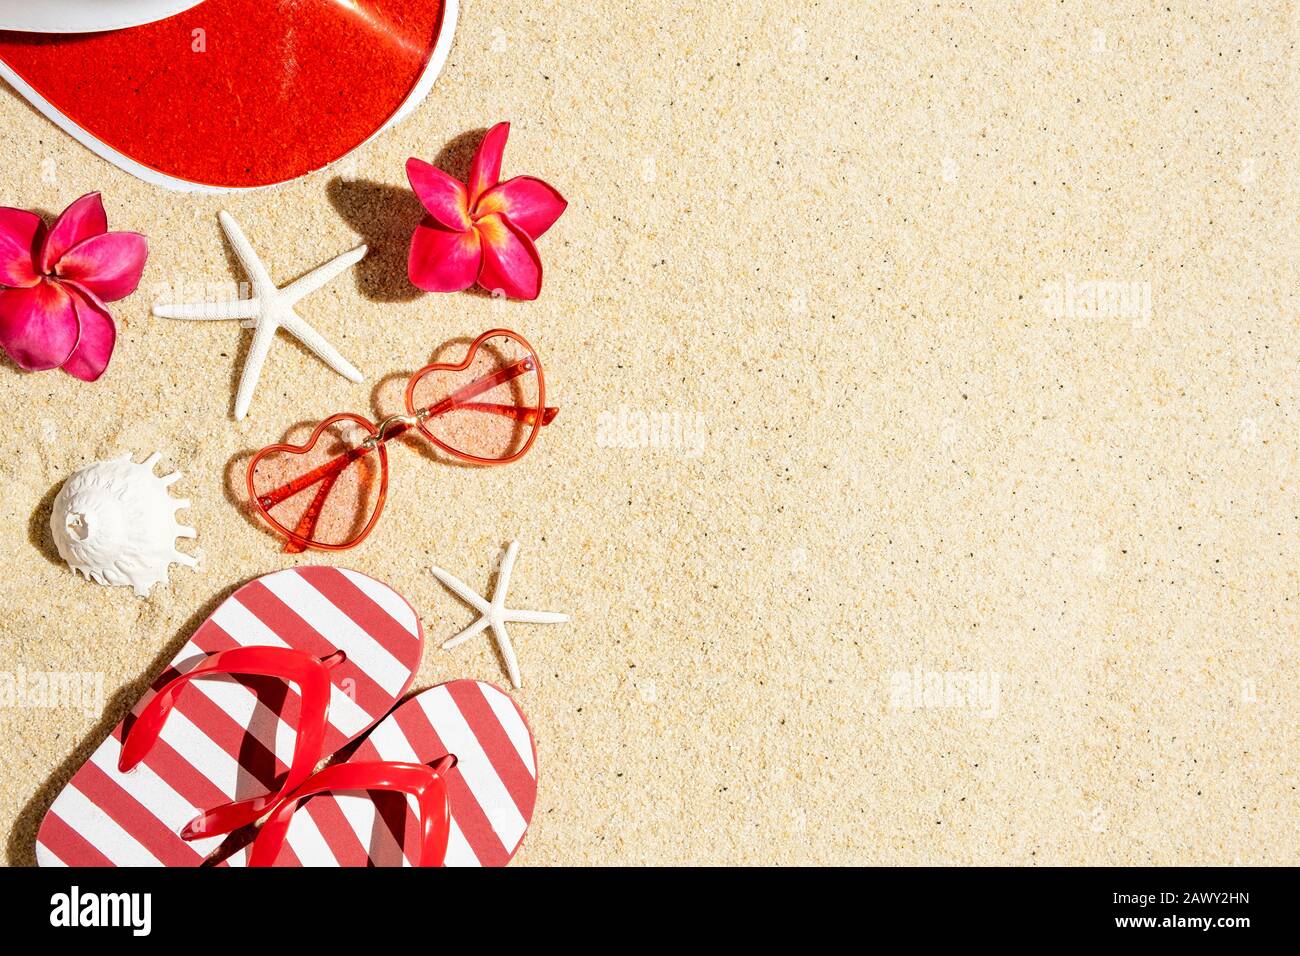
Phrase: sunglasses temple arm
{"type": "Point", "coordinates": [477, 387]}
{"type": "Point", "coordinates": [307, 523]}
{"type": "Point", "coordinates": [329, 470]}
{"type": "Point", "coordinates": [463, 397]}
{"type": "Point", "coordinates": [527, 416]}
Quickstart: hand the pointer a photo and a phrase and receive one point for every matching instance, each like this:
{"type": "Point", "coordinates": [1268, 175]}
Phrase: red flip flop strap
{"type": "Point", "coordinates": [311, 674]}
{"type": "Point", "coordinates": [422, 781]}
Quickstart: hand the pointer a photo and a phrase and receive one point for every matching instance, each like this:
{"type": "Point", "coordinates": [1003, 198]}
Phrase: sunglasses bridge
{"type": "Point", "coordinates": [394, 425]}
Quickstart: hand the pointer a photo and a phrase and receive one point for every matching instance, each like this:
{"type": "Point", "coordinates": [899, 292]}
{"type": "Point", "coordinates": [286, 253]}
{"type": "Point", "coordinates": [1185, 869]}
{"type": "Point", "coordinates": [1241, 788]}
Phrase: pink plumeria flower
{"type": "Point", "coordinates": [482, 231]}
{"type": "Point", "coordinates": [54, 283]}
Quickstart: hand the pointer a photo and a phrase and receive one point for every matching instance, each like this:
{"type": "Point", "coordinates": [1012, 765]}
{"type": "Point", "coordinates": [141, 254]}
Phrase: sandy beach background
{"type": "Point", "coordinates": [967, 529]}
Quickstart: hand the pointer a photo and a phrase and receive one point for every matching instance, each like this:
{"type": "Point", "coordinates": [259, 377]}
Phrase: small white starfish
{"type": "Point", "coordinates": [269, 309]}
{"type": "Point", "coordinates": [495, 614]}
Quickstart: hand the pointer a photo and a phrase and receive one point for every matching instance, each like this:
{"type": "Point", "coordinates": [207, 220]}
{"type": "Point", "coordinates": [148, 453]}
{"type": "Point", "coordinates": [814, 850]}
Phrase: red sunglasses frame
{"type": "Point", "coordinates": [393, 426]}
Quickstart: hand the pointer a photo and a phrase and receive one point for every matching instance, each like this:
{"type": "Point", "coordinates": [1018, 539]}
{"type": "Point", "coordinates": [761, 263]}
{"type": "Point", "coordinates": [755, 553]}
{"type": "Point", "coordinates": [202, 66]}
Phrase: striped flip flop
{"type": "Point", "coordinates": [476, 740]}
{"type": "Point", "coordinates": [214, 754]}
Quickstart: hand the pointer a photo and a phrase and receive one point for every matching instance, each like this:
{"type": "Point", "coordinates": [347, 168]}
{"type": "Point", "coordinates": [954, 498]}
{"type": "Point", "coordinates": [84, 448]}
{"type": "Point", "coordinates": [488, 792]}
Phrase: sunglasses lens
{"type": "Point", "coordinates": [326, 493]}
{"type": "Point", "coordinates": [488, 410]}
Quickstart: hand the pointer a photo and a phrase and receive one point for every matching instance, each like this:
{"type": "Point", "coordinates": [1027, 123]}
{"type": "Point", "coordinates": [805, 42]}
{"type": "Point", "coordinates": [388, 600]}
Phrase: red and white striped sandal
{"type": "Point", "coordinates": [449, 778]}
{"type": "Point", "coordinates": [296, 665]}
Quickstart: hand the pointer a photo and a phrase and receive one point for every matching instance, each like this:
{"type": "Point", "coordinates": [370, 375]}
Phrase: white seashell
{"type": "Point", "coordinates": [115, 522]}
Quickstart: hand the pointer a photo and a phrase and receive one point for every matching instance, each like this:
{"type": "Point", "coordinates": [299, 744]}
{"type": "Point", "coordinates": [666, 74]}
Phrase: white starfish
{"type": "Point", "coordinates": [495, 614]}
{"type": "Point", "coordinates": [269, 309]}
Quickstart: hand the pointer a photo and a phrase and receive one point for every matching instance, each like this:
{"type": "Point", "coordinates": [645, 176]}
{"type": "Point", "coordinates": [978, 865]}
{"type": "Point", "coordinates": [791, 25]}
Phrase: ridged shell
{"type": "Point", "coordinates": [115, 522]}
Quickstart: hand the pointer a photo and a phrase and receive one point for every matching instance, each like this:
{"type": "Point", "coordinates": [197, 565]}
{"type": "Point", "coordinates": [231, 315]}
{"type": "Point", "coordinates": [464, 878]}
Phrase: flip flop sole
{"type": "Point", "coordinates": [236, 93]}
{"type": "Point", "coordinates": [230, 738]}
{"type": "Point", "coordinates": [493, 787]}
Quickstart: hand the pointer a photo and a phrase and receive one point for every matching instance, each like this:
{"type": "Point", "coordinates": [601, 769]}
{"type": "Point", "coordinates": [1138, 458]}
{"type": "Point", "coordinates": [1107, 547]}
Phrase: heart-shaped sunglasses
{"type": "Point", "coordinates": [328, 492]}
